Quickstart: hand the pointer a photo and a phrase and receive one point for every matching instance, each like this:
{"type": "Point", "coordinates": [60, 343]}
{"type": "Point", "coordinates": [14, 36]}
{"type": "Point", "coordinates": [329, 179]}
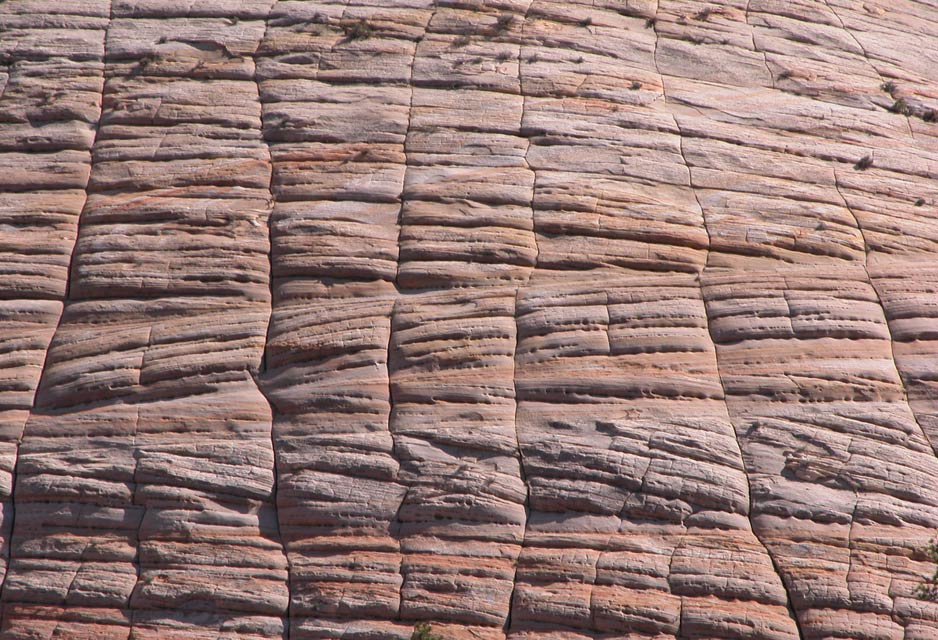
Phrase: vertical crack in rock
{"type": "Point", "coordinates": [396, 448]}
{"type": "Point", "coordinates": [856, 222]}
{"type": "Point", "coordinates": [407, 132]}
{"type": "Point", "coordinates": [781, 576]}
{"type": "Point", "coordinates": [91, 152]}
{"type": "Point", "coordinates": [879, 298]}
{"type": "Point", "coordinates": [899, 372]}
{"type": "Point", "coordinates": [464, 244]}
{"type": "Point", "coordinates": [679, 632]}
{"type": "Point", "coordinates": [174, 407]}
{"type": "Point", "coordinates": [522, 61]}
{"type": "Point", "coordinates": [336, 125]}
{"type": "Point", "coordinates": [397, 454]}
{"type": "Point", "coordinates": [521, 468]}
{"type": "Point", "coordinates": [809, 425]}
{"type": "Point", "coordinates": [742, 456]}
{"type": "Point", "coordinates": [65, 290]}
{"type": "Point", "coordinates": [790, 604]}
{"type": "Point", "coordinates": [259, 377]}
{"type": "Point", "coordinates": [875, 286]}
{"type": "Point", "coordinates": [866, 56]}
{"type": "Point", "coordinates": [879, 301]}
{"type": "Point", "coordinates": [755, 47]}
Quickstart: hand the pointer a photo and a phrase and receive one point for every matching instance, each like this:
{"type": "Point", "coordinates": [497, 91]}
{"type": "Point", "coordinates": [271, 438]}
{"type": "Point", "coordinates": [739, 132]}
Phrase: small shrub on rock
{"type": "Point", "coordinates": [422, 631]}
{"type": "Point", "coordinates": [929, 589]}
{"type": "Point", "coordinates": [504, 22]}
{"type": "Point", "coordinates": [360, 30]}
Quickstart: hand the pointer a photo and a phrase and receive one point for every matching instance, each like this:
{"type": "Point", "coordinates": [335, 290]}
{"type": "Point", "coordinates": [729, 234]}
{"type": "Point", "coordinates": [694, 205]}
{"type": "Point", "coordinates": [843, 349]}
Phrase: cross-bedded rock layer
{"type": "Point", "coordinates": [538, 320]}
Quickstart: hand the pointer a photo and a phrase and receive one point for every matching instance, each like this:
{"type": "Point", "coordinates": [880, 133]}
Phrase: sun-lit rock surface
{"type": "Point", "coordinates": [535, 320]}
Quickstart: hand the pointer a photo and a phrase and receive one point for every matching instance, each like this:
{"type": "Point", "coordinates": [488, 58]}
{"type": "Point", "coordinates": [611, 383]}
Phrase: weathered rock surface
{"type": "Point", "coordinates": [532, 319]}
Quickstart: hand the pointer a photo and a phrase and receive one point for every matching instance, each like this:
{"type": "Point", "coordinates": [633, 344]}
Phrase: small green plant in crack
{"type": "Point", "coordinates": [889, 87]}
{"type": "Point", "coordinates": [49, 98]}
{"type": "Point", "coordinates": [901, 107]}
{"type": "Point", "coordinates": [920, 202]}
{"type": "Point", "coordinates": [650, 23]}
{"type": "Point", "coordinates": [864, 163]}
{"type": "Point", "coordinates": [146, 63]}
{"type": "Point", "coordinates": [504, 22]}
{"type": "Point", "coordinates": [360, 30]}
{"type": "Point", "coordinates": [423, 631]}
{"type": "Point", "coordinates": [930, 115]}
{"type": "Point", "coordinates": [585, 22]}
{"type": "Point", "coordinates": [929, 589]}
{"type": "Point", "coordinates": [636, 85]}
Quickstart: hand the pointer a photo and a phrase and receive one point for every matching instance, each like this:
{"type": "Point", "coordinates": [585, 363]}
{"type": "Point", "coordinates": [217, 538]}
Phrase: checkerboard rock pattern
{"type": "Point", "coordinates": [534, 320]}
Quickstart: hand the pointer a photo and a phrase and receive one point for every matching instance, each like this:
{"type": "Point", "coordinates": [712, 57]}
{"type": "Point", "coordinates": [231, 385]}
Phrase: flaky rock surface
{"type": "Point", "coordinates": [536, 320]}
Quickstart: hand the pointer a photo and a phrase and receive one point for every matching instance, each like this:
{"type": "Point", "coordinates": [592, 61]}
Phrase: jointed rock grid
{"type": "Point", "coordinates": [535, 320]}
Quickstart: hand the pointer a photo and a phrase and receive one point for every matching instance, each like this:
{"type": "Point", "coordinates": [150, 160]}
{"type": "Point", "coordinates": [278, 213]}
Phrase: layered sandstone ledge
{"type": "Point", "coordinates": [537, 320]}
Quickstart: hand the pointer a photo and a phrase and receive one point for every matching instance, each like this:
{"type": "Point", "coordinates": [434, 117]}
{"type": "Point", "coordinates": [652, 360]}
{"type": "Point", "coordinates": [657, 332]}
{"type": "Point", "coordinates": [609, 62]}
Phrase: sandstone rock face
{"type": "Point", "coordinates": [536, 320]}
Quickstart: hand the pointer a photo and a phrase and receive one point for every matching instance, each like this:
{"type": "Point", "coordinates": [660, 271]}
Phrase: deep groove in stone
{"type": "Point", "coordinates": [259, 378]}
